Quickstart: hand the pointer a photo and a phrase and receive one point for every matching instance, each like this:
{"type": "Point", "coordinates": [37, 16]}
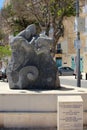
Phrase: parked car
{"type": "Point", "coordinates": [67, 71]}
{"type": "Point", "coordinates": [3, 75]}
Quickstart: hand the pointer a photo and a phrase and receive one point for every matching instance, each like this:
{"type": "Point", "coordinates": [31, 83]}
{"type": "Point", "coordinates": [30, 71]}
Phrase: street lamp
{"type": "Point", "coordinates": [78, 48]}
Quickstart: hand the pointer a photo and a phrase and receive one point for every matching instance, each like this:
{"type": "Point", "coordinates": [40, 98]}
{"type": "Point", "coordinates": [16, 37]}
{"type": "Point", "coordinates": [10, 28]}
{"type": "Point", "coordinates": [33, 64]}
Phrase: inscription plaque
{"type": "Point", "coordinates": [70, 113]}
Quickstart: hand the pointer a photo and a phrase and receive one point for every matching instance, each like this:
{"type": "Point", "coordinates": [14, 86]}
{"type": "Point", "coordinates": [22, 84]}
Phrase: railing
{"type": "Point", "coordinates": [59, 51]}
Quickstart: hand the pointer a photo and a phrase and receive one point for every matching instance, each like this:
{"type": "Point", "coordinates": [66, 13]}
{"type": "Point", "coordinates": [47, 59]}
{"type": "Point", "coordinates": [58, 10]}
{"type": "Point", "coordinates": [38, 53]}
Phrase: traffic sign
{"type": "Point", "coordinates": [79, 24]}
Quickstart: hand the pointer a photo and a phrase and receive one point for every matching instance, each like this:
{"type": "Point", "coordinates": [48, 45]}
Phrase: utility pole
{"type": "Point", "coordinates": [78, 48]}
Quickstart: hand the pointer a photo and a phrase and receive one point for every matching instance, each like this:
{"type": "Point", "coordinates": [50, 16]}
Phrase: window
{"type": "Point", "coordinates": [59, 50]}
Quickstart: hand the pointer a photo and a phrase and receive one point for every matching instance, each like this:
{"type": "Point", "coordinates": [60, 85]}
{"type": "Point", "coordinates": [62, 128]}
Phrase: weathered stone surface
{"type": "Point", "coordinates": [31, 65]}
{"type": "Point", "coordinates": [28, 32]}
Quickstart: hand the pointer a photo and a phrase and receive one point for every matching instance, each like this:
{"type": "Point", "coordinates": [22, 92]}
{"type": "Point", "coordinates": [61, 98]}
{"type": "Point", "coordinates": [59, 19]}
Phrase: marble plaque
{"type": "Point", "coordinates": [70, 113]}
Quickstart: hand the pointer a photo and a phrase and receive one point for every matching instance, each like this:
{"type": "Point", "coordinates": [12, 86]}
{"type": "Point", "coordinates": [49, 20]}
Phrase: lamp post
{"type": "Point", "coordinates": [78, 48]}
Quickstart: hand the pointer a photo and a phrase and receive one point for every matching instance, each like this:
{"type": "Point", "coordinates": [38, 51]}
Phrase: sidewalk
{"type": "Point", "coordinates": [67, 77]}
{"type": "Point", "coordinates": [72, 77]}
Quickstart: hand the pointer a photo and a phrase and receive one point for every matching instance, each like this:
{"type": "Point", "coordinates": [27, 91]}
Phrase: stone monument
{"type": "Point", "coordinates": [70, 113]}
{"type": "Point", "coordinates": [31, 65]}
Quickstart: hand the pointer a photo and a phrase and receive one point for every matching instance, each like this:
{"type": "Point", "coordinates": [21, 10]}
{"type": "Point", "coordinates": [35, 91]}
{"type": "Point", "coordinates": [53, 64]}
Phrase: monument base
{"type": "Point", "coordinates": [35, 109]}
{"type": "Point", "coordinates": [70, 113]}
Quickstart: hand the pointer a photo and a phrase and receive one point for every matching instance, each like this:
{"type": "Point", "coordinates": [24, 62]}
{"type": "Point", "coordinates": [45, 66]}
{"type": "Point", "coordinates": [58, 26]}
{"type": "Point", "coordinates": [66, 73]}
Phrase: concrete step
{"type": "Point", "coordinates": [28, 129]}
{"type": "Point", "coordinates": [85, 128]}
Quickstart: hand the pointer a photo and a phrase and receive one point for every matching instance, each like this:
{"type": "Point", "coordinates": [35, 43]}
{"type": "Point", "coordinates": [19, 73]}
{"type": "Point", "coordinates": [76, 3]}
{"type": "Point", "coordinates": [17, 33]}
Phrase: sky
{"type": "Point", "coordinates": [1, 3]}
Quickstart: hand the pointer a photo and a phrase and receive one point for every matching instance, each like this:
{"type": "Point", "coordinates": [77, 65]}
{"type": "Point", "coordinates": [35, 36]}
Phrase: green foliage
{"type": "Point", "coordinates": [8, 11]}
{"type": "Point", "coordinates": [65, 7]}
{"type": "Point", "coordinates": [5, 51]}
{"type": "Point", "coordinates": [70, 11]}
{"type": "Point", "coordinates": [21, 24]}
{"type": "Point", "coordinates": [17, 18]}
{"type": "Point", "coordinates": [19, 14]}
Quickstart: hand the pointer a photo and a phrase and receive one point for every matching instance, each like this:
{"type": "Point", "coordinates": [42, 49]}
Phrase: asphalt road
{"type": "Point", "coordinates": [70, 80]}
{"type": "Point", "coordinates": [65, 80]}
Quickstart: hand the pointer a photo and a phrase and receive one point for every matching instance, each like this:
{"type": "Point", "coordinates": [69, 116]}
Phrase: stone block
{"type": "Point", "coordinates": [29, 120]}
{"type": "Point", "coordinates": [70, 113]}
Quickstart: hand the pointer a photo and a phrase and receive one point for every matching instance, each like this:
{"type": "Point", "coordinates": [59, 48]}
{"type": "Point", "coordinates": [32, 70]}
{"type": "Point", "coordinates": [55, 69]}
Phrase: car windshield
{"type": "Point", "coordinates": [69, 68]}
{"type": "Point", "coordinates": [65, 68]}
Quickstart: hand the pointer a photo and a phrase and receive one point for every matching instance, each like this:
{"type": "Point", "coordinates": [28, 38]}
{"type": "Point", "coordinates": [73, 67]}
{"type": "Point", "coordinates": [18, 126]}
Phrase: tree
{"type": "Point", "coordinates": [52, 13]}
{"type": "Point", "coordinates": [5, 52]}
{"type": "Point", "coordinates": [46, 13]}
{"type": "Point", "coordinates": [16, 17]}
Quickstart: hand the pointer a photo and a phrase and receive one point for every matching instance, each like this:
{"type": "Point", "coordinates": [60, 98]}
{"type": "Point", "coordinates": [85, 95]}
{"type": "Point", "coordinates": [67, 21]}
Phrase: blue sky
{"type": "Point", "coordinates": [1, 3]}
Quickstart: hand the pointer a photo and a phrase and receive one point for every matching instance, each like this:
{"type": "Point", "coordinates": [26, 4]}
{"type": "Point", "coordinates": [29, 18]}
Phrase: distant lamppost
{"type": "Point", "coordinates": [78, 48]}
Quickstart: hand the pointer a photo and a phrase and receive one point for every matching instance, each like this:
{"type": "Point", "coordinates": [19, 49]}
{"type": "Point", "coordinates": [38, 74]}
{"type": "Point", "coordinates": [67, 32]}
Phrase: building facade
{"type": "Point", "coordinates": [68, 54]}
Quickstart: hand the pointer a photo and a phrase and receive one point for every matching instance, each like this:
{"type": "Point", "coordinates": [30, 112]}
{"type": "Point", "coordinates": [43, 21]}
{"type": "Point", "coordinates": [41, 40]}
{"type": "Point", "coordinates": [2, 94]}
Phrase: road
{"type": "Point", "coordinates": [66, 80]}
{"type": "Point", "coordinates": [70, 80]}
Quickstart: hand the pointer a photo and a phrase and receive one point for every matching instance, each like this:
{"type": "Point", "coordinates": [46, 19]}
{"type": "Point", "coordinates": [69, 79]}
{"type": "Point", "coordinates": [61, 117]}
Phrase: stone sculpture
{"type": "Point", "coordinates": [31, 65]}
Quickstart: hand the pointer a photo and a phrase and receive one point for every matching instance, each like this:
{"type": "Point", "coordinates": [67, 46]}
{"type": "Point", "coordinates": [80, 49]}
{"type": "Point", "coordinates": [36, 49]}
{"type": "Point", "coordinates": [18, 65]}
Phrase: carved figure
{"type": "Point", "coordinates": [31, 65]}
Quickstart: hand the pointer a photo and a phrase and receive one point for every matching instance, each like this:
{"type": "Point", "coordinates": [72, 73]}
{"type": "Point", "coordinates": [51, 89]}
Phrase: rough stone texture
{"type": "Point", "coordinates": [31, 65]}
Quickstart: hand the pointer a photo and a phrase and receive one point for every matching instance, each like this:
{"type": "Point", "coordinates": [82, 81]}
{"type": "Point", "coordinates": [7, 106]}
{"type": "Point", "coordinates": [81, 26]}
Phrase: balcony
{"type": "Point", "coordinates": [59, 51]}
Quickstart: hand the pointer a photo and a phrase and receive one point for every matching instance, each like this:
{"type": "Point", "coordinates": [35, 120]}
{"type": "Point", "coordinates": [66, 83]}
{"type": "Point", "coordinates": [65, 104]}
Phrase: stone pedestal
{"type": "Point", "coordinates": [70, 113]}
{"type": "Point", "coordinates": [37, 110]}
